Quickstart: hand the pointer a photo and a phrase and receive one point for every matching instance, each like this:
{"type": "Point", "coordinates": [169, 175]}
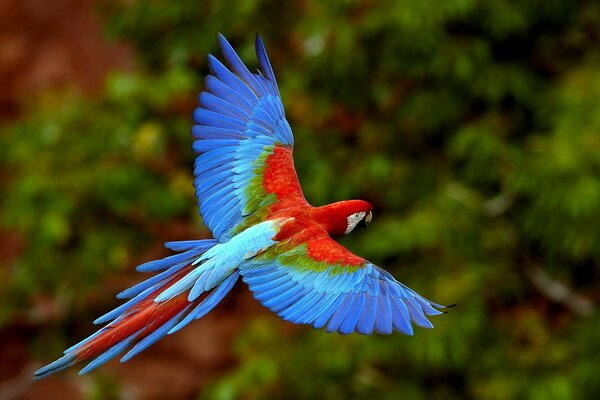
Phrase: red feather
{"type": "Point", "coordinates": [280, 179]}
{"type": "Point", "coordinates": [146, 314]}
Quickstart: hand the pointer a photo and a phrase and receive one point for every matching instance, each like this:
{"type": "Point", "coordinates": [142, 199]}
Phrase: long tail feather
{"type": "Point", "coordinates": [143, 320]}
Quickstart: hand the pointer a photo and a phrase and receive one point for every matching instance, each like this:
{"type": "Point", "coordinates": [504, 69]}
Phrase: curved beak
{"type": "Point", "coordinates": [368, 218]}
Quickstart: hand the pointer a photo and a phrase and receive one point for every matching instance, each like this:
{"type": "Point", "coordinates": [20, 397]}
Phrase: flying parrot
{"type": "Point", "coordinates": [265, 232]}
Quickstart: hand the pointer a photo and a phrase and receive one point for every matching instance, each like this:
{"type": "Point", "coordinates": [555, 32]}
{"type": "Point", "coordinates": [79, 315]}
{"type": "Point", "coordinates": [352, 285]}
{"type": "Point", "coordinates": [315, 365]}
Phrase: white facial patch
{"type": "Point", "coordinates": [353, 220]}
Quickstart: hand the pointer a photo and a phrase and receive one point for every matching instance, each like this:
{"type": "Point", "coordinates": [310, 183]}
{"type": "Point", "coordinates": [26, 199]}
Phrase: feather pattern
{"type": "Point", "coordinates": [240, 120]}
{"type": "Point", "coordinates": [171, 299]}
{"type": "Point", "coordinates": [264, 231]}
{"type": "Point", "coordinates": [344, 297]}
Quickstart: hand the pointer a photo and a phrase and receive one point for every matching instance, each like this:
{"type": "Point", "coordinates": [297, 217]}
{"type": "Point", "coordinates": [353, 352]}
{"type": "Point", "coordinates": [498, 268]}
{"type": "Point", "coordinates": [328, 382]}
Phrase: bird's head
{"type": "Point", "coordinates": [344, 217]}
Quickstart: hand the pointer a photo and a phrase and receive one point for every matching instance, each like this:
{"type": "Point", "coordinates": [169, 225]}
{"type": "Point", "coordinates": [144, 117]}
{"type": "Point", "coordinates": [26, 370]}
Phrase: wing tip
{"type": "Point", "coordinates": [258, 42]}
{"type": "Point", "coordinates": [264, 62]}
{"type": "Point", "coordinates": [450, 306]}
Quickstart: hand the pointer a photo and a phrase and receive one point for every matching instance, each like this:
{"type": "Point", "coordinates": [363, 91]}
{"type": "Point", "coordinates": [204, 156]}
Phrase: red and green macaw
{"type": "Point", "coordinates": [264, 232]}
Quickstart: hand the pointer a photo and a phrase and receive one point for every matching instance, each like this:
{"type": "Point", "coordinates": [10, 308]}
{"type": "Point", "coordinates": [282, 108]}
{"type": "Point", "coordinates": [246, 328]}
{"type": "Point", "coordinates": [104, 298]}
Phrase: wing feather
{"type": "Point", "coordinates": [240, 123]}
{"type": "Point", "coordinates": [345, 297]}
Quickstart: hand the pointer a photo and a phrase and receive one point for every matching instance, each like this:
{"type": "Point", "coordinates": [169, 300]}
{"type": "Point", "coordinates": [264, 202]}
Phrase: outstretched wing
{"type": "Point", "coordinates": [244, 144]}
{"type": "Point", "coordinates": [323, 284]}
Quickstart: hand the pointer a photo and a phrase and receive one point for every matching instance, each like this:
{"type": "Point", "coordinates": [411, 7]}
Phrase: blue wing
{"type": "Point", "coordinates": [238, 123]}
{"type": "Point", "coordinates": [343, 298]}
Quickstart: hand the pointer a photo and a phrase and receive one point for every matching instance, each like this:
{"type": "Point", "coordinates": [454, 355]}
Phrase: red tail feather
{"type": "Point", "coordinates": [146, 315]}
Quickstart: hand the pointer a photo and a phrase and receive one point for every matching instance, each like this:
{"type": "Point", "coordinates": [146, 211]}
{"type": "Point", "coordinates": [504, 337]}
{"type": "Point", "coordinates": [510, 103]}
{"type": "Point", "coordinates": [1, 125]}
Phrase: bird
{"type": "Point", "coordinates": [265, 234]}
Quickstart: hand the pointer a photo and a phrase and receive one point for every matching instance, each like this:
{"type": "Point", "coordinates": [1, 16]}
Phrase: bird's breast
{"type": "Point", "coordinates": [302, 227]}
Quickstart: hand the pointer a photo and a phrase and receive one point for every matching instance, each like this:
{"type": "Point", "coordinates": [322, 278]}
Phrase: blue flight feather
{"type": "Point", "coordinates": [296, 310]}
{"type": "Point", "coordinates": [109, 354]}
{"type": "Point", "coordinates": [366, 320]}
{"type": "Point", "coordinates": [58, 365]}
{"type": "Point", "coordinates": [153, 337]}
{"type": "Point", "coordinates": [282, 300]}
{"type": "Point", "coordinates": [142, 286]}
{"type": "Point", "coordinates": [237, 105]}
{"type": "Point", "coordinates": [217, 181]}
{"type": "Point", "coordinates": [167, 262]}
{"type": "Point", "coordinates": [383, 320]}
{"type": "Point", "coordinates": [339, 314]}
{"type": "Point", "coordinates": [236, 64]}
{"type": "Point", "coordinates": [186, 245]}
{"type": "Point", "coordinates": [215, 86]}
{"type": "Point", "coordinates": [203, 116]}
{"type": "Point", "coordinates": [400, 316]}
{"type": "Point", "coordinates": [231, 80]}
{"type": "Point", "coordinates": [84, 341]}
{"type": "Point", "coordinates": [265, 64]}
{"type": "Point", "coordinates": [210, 144]}
{"type": "Point", "coordinates": [214, 132]}
{"type": "Point", "coordinates": [109, 316]}
{"type": "Point", "coordinates": [349, 323]}
{"type": "Point", "coordinates": [417, 315]}
{"type": "Point", "coordinates": [208, 303]}
{"type": "Point", "coordinates": [365, 300]}
{"type": "Point", "coordinates": [221, 106]}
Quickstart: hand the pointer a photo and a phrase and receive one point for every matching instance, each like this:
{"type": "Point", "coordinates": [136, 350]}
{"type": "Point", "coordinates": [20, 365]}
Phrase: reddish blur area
{"type": "Point", "coordinates": [48, 46]}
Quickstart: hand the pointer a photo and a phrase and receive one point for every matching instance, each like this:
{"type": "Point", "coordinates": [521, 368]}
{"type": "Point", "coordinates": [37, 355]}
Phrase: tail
{"type": "Point", "coordinates": [146, 317]}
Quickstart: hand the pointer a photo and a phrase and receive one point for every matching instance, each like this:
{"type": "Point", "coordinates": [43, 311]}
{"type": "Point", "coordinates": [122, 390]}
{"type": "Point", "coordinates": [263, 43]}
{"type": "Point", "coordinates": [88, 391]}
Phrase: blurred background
{"type": "Point", "coordinates": [473, 127]}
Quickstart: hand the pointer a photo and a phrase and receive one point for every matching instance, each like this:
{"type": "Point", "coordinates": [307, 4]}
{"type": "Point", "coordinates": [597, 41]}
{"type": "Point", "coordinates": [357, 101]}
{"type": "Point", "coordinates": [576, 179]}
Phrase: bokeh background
{"type": "Point", "coordinates": [472, 126]}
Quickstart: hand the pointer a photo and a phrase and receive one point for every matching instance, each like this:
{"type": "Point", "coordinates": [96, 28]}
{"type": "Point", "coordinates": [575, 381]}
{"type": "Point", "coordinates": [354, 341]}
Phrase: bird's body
{"type": "Point", "coordinates": [264, 231]}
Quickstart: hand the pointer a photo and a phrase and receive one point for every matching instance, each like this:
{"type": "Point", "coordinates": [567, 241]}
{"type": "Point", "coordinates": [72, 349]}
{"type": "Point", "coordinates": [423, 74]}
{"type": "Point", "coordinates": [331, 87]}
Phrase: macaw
{"type": "Point", "coordinates": [264, 231]}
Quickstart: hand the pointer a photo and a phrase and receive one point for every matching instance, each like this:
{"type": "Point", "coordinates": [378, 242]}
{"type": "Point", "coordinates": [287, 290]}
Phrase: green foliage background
{"type": "Point", "coordinates": [473, 127]}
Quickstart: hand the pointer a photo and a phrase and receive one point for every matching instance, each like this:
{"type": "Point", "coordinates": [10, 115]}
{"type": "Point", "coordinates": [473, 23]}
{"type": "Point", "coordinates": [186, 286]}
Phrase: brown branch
{"type": "Point", "coordinates": [559, 292]}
